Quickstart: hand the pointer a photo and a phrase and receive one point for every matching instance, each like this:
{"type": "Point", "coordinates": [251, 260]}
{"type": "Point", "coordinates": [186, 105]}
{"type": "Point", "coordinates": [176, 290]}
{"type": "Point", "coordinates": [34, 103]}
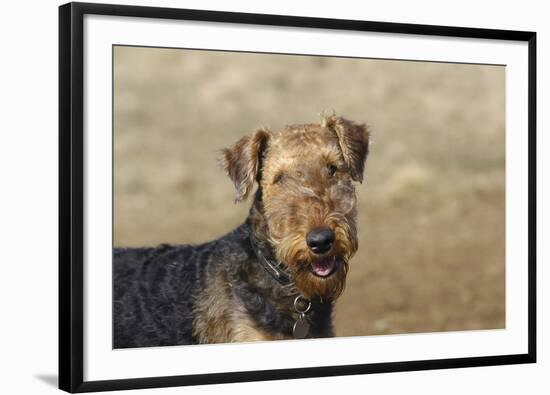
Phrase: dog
{"type": "Point", "coordinates": [277, 275]}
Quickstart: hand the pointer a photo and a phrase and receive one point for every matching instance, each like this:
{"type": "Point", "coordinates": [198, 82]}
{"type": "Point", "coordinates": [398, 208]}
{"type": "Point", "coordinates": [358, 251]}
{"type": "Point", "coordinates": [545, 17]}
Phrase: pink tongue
{"type": "Point", "coordinates": [323, 267]}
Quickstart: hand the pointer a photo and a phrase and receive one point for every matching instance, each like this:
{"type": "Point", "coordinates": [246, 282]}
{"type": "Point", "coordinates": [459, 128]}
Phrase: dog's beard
{"type": "Point", "coordinates": [317, 276]}
{"type": "Point", "coordinates": [325, 288]}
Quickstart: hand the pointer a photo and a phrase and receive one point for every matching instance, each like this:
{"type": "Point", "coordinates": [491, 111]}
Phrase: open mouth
{"type": "Point", "coordinates": [324, 267]}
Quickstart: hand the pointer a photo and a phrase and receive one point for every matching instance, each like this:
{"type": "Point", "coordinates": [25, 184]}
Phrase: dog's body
{"type": "Point", "coordinates": [284, 266]}
{"type": "Point", "coordinates": [164, 296]}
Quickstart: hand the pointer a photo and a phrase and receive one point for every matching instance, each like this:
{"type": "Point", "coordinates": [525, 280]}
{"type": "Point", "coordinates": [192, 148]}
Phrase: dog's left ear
{"type": "Point", "coordinates": [242, 161]}
{"type": "Point", "coordinates": [354, 143]}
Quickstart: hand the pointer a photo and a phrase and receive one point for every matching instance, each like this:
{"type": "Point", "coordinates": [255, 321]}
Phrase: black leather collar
{"type": "Point", "coordinates": [271, 265]}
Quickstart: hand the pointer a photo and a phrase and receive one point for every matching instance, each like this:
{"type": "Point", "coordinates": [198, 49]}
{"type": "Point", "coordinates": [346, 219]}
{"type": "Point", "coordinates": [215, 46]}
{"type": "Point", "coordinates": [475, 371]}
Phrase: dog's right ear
{"type": "Point", "coordinates": [242, 161]}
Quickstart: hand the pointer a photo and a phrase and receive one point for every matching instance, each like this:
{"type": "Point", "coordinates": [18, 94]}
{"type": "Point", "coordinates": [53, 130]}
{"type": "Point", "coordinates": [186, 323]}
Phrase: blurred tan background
{"type": "Point", "coordinates": [431, 211]}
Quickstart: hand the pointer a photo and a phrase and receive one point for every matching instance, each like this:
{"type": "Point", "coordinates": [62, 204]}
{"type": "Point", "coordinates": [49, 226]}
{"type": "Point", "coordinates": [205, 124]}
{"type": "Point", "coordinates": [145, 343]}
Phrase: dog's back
{"type": "Point", "coordinates": [152, 296]}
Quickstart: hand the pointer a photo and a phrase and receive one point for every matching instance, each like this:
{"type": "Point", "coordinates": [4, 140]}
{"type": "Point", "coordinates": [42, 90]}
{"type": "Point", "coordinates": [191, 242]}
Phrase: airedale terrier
{"type": "Point", "coordinates": [277, 275]}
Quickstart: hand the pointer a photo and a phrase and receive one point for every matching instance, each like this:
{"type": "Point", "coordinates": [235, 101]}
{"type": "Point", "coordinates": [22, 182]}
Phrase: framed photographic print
{"type": "Point", "coordinates": [251, 197]}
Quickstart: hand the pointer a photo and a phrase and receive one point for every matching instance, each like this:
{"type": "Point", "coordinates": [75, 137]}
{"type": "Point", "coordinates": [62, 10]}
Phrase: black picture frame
{"type": "Point", "coordinates": [71, 194]}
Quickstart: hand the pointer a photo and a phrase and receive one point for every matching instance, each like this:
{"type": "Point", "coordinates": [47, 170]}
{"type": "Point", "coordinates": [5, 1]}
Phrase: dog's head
{"type": "Point", "coordinates": [306, 174]}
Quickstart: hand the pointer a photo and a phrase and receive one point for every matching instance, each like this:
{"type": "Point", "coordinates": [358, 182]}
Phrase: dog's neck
{"type": "Point", "coordinates": [319, 316]}
{"type": "Point", "coordinates": [260, 243]}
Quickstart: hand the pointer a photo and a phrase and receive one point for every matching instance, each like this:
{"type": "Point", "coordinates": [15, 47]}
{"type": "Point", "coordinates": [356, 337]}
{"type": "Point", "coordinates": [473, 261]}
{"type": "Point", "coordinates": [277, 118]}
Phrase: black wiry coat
{"type": "Point", "coordinates": [157, 292]}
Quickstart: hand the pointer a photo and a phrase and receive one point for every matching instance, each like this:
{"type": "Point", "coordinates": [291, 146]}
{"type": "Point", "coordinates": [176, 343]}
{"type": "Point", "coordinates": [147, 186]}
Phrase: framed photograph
{"type": "Point", "coordinates": [251, 197]}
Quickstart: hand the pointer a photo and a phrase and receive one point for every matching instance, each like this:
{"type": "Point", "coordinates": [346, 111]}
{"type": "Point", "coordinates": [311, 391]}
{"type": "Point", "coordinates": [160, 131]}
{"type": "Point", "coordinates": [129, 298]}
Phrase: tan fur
{"type": "Point", "coordinates": [218, 320]}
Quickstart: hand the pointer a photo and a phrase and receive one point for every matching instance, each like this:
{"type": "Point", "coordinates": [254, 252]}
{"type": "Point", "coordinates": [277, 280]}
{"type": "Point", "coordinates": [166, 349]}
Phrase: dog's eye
{"type": "Point", "coordinates": [331, 170]}
{"type": "Point", "coordinates": [279, 178]}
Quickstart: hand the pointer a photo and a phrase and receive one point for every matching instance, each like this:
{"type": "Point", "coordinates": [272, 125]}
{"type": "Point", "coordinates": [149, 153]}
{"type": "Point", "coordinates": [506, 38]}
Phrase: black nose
{"type": "Point", "coordinates": [320, 240]}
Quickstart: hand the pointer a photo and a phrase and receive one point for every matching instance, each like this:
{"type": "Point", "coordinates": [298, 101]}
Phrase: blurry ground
{"type": "Point", "coordinates": [431, 212]}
